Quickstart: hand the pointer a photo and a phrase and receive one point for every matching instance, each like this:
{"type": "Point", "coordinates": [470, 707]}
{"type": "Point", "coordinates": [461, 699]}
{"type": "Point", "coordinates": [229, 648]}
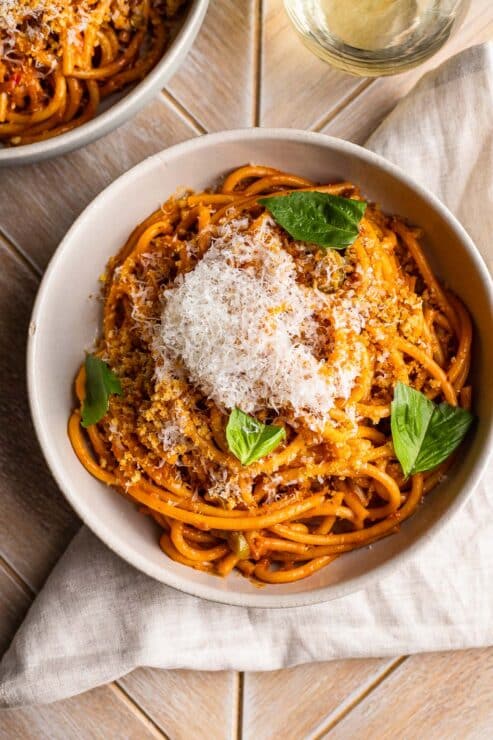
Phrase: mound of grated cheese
{"type": "Point", "coordinates": [26, 24]}
{"type": "Point", "coordinates": [29, 27]}
{"type": "Point", "coordinates": [245, 330]}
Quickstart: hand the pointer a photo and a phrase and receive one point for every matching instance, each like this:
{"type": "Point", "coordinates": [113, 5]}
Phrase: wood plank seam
{"type": "Point", "coordinates": [138, 711]}
{"type": "Point", "coordinates": [257, 58]}
{"type": "Point", "coordinates": [11, 573]}
{"type": "Point", "coordinates": [334, 112]}
{"type": "Point", "coordinates": [240, 697]}
{"type": "Point", "coordinates": [354, 698]}
{"type": "Point", "coordinates": [182, 112]}
{"type": "Point", "coordinates": [18, 255]}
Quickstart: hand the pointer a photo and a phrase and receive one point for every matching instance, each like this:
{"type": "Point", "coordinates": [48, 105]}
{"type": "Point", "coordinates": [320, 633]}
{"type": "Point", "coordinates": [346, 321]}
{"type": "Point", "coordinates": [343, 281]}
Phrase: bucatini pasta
{"type": "Point", "coordinates": [212, 306]}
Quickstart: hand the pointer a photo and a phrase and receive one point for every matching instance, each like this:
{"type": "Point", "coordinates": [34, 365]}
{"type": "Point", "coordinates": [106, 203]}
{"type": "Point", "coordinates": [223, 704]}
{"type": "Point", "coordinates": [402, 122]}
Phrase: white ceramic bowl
{"type": "Point", "coordinates": [66, 320]}
{"type": "Point", "coordinates": [119, 107]}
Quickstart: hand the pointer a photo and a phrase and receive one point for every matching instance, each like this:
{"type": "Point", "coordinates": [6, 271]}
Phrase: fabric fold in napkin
{"type": "Point", "coordinates": [97, 617]}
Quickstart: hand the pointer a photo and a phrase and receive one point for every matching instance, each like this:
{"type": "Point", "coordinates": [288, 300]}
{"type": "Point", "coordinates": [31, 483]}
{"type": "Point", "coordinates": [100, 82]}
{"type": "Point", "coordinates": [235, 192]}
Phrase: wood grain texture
{"type": "Point", "coordinates": [436, 696]}
{"type": "Point", "coordinates": [96, 715]}
{"type": "Point", "coordinates": [357, 120]}
{"type": "Point", "coordinates": [291, 703]}
{"type": "Point", "coordinates": [216, 84]}
{"type": "Point", "coordinates": [298, 90]}
{"type": "Point", "coordinates": [14, 601]}
{"type": "Point", "coordinates": [187, 705]}
{"type": "Point", "coordinates": [36, 523]}
{"type": "Point", "coordinates": [40, 202]}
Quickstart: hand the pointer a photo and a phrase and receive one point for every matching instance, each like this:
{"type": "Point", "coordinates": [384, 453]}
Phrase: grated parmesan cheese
{"type": "Point", "coordinates": [33, 28]}
{"type": "Point", "coordinates": [30, 26]}
{"type": "Point", "coordinates": [223, 486]}
{"type": "Point", "coordinates": [170, 436]}
{"type": "Point", "coordinates": [246, 331]}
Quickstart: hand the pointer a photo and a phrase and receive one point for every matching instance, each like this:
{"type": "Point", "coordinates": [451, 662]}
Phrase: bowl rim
{"type": "Point", "coordinates": [125, 108]}
{"type": "Point", "coordinates": [204, 590]}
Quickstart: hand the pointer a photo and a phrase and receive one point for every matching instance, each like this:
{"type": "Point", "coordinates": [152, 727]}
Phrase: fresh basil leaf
{"type": "Point", "coordinates": [248, 439]}
{"type": "Point", "coordinates": [447, 428]}
{"type": "Point", "coordinates": [424, 434]}
{"type": "Point", "coordinates": [411, 413]}
{"type": "Point", "coordinates": [318, 218]}
{"type": "Point", "coordinates": [101, 382]}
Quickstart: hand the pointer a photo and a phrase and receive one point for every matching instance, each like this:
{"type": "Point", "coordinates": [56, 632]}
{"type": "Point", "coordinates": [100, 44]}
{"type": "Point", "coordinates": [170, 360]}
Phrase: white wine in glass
{"type": "Point", "coordinates": [375, 37]}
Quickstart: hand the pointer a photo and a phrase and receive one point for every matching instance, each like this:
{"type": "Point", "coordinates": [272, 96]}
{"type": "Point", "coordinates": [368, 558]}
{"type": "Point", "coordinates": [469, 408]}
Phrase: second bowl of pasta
{"type": "Point", "coordinates": [70, 72]}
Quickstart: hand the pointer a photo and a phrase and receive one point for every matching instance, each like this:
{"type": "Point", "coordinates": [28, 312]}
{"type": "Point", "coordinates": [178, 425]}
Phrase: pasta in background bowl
{"type": "Point", "coordinates": [200, 164]}
{"type": "Point", "coordinates": [71, 72]}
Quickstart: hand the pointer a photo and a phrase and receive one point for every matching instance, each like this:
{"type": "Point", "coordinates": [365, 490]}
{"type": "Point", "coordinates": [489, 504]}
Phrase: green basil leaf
{"type": "Point", "coordinates": [249, 439]}
{"type": "Point", "coordinates": [447, 428]}
{"type": "Point", "coordinates": [101, 382]}
{"type": "Point", "coordinates": [319, 218]}
{"type": "Point", "coordinates": [411, 413]}
{"type": "Point", "coordinates": [424, 434]}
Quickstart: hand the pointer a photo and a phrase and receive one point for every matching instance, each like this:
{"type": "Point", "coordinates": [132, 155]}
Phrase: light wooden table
{"type": "Point", "coordinates": [247, 68]}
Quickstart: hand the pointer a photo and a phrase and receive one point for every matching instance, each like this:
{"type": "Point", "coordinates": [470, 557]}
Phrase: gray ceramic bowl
{"type": "Point", "coordinates": [118, 108]}
{"type": "Point", "coordinates": [65, 310]}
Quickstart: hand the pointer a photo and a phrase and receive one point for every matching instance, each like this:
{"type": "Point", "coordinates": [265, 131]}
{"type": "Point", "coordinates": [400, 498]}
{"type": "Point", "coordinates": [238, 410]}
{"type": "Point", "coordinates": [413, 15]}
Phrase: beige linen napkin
{"type": "Point", "coordinates": [97, 618]}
